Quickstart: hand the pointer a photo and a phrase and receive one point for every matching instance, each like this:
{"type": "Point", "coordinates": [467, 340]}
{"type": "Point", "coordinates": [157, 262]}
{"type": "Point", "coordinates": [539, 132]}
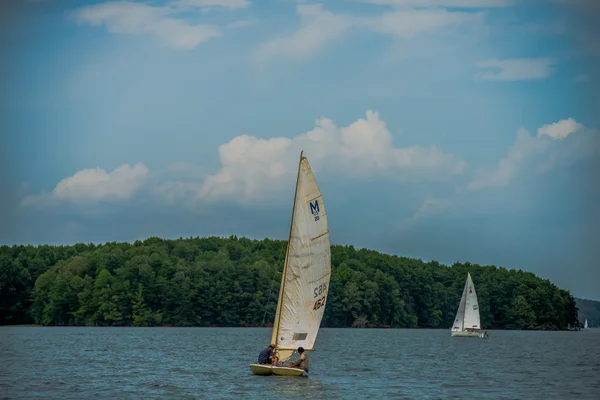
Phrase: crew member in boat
{"type": "Point", "coordinates": [267, 356]}
{"type": "Point", "coordinates": [302, 362]}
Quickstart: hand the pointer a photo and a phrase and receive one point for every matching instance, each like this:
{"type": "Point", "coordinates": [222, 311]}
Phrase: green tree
{"type": "Point", "coordinates": [521, 314]}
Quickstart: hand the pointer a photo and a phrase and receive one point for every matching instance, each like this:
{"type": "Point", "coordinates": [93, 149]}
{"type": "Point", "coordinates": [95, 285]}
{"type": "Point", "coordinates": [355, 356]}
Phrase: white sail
{"type": "Point", "coordinates": [471, 307]}
{"type": "Point", "coordinates": [307, 270]}
{"type": "Point", "coordinates": [460, 314]}
{"type": "Point", "coordinates": [585, 325]}
{"type": "Point", "coordinates": [467, 316]}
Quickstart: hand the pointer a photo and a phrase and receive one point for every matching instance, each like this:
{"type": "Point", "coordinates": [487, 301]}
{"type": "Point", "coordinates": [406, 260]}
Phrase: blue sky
{"type": "Point", "coordinates": [453, 130]}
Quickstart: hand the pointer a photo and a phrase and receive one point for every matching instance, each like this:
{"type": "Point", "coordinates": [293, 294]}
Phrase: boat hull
{"type": "Point", "coordinates": [287, 371]}
{"type": "Point", "coordinates": [261, 369]}
{"type": "Point", "coordinates": [468, 334]}
{"type": "Point", "coordinates": [266, 369]}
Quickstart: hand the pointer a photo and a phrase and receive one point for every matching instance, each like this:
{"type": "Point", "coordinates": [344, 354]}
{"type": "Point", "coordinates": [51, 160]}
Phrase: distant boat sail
{"type": "Point", "coordinates": [306, 274]}
{"type": "Point", "coordinates": [467, 322]}
{"type": "Point", "coordinates": [585, 325]}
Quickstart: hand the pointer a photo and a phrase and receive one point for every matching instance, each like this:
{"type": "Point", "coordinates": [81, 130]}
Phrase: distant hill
{"type": "Point", "coordinates": [589, 309]}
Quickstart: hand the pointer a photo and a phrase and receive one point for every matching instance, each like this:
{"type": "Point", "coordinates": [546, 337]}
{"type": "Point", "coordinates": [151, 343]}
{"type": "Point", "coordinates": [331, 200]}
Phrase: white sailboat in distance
{"type": "Point", "coordinates": [305, 278]}
{"type": "Point", "coordinates": [467, 322]}
{"type": "Point", "coordinates": [585, 325]}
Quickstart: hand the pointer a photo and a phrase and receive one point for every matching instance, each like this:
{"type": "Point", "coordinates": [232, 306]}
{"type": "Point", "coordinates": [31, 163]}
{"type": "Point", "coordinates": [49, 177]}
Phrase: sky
{"type": "Point", "coordinates": [448, 130]}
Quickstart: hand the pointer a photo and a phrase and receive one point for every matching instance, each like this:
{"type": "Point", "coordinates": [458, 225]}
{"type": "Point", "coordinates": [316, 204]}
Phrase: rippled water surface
{"type": "Point", "coordinates": [189, 363]}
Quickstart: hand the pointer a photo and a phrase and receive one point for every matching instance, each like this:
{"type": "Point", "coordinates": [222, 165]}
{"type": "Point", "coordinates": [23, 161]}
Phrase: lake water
{"type": "Point", "coordinates": [191, 363]}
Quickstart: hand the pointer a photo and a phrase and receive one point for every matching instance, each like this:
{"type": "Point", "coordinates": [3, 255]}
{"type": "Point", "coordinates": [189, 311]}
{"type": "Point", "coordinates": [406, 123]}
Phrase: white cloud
{"type": "Point", "coordinates": [443, 3]}
{"type": "Point", "coordinates": [318, 28]}
{"type": "Point", "coordinates": [544, 148]}
{"type": "Point", "coordinates": [409, 23]}
{"type": "Point", "coordinates": [126, 17]}
{"type": "Point", "coordinates": [95, 184]}
{"type": "Point", "coordinates": [561, 129]}
{"type": "Point", "coordinates": [517, 69]}
{"type": "Point", "coordinates": [255, 168]}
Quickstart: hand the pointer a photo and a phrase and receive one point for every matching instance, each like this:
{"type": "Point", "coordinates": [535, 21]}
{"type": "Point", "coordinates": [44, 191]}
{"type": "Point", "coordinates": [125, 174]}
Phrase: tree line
{"type": "Point", "coordinates": [235, 282]}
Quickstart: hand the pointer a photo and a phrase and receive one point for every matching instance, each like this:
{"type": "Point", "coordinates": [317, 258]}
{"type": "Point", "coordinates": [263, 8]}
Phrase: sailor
{"type": "Point", "coordinates": [267, 356]}
{"type": "Point", "coordinates": [302, 362]}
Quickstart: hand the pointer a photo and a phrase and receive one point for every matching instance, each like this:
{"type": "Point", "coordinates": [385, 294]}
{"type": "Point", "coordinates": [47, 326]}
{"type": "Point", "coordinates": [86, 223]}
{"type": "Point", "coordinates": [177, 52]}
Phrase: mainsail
{"type": "Point", "coordinates": [585, 325]}
{"type": "Point", "coordinates": [306, 272]}
{"type": "Point", "coordinates": [467, 316]}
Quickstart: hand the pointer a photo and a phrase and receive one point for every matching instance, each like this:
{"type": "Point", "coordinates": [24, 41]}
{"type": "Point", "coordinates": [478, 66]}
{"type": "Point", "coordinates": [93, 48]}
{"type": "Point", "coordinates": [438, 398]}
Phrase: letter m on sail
{"type": "Point", "coordinates": [314, 207]}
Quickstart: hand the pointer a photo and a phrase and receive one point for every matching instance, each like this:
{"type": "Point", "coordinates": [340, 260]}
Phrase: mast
{"type": "Point", "coordinates": [275, 333]}
{"type": "Point", "coordinates": [466, 294]}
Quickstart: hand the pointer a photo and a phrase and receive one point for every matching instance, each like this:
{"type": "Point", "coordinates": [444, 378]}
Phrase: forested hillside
{"type": "Point", "coordinates": [235, 282]}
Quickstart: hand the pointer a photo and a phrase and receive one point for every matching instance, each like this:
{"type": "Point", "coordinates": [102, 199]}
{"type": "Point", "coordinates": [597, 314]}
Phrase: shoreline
{"type": "Point", "coordinates": [264, 327]}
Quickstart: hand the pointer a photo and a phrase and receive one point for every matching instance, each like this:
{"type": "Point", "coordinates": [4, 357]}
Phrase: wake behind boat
{"type": "Point", "coordinates": [305, 279]}
{"type": "Point", "coordinates": [467, 323]}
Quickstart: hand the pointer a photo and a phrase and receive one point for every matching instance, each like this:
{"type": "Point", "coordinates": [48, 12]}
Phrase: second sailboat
{"type": "Point", "coordinates": [467, 322]}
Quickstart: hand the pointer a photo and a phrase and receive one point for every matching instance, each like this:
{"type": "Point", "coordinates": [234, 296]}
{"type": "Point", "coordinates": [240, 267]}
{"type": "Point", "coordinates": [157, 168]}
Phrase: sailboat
{"type": "Point", "coordinates": [585, 325]}
{"type": "Point", "coordinates": [305, 279]}
{"type": "Point", "coordinates": [467, 323]}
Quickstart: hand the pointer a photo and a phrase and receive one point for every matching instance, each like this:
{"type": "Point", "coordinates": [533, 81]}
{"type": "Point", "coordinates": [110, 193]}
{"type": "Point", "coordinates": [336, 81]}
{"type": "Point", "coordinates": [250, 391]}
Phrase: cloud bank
{"type": "Point", "coordinates": [164, 22]}
{"type": "Point", "coordinates": [255, 168]}
{"type": "Point", "coordinates": [259, 168]}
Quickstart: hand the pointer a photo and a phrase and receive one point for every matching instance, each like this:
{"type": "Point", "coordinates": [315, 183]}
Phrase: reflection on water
{"type": "Point", "coordinates": [190, 363]}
